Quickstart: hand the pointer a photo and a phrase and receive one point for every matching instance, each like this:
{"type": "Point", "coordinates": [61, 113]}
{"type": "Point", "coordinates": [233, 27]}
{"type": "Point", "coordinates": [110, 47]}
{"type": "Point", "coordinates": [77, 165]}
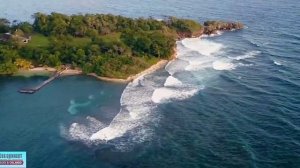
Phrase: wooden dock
{"type": "Point", "coordinates": [38, 87]}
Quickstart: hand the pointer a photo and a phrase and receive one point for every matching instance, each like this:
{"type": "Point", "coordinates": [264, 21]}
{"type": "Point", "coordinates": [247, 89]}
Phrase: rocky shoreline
{"type": "Point", "coordinates": [212, 27]}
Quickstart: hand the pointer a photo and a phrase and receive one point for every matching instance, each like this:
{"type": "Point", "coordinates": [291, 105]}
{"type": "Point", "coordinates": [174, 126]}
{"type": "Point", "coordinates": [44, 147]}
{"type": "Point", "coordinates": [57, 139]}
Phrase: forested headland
{"type": "Point", "coordinates": [108, 45]}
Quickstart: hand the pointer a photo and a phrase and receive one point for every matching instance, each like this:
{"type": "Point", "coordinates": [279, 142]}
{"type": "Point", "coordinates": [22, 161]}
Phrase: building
{"type": "Point", "coordinates": [5, 37]}
{"type": "Point", "coordinates": [16, 36]}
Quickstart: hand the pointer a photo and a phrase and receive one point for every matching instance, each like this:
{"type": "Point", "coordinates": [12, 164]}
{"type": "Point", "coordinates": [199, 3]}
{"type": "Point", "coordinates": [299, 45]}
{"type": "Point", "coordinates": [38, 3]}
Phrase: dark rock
{"type": "Point", "coordinates": [211, 27]}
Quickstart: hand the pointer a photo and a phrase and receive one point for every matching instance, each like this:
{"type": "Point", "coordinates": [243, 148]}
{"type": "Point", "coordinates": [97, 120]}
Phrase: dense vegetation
{"type": "Point", "coordinates": [108, 45]}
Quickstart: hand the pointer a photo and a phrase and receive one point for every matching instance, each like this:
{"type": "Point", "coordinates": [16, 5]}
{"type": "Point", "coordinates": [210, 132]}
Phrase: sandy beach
{"type": "Point", "coordinates": [69, 72]}
{"type": "Point", "coordinates": [158, 65]}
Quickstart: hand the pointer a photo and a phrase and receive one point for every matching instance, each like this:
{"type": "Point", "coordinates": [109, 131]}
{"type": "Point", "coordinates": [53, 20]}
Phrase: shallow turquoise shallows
{"type": "Point", "coordinates": [231, 100]}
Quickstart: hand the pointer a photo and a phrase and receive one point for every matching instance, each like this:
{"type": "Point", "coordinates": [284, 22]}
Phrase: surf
{"type": "Point", "coordinates": [198, 61]}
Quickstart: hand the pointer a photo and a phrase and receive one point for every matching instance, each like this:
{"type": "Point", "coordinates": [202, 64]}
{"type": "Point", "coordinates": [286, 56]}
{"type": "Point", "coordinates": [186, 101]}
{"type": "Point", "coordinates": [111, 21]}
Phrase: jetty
{"type": "Point", "coordinates": [32, 90]}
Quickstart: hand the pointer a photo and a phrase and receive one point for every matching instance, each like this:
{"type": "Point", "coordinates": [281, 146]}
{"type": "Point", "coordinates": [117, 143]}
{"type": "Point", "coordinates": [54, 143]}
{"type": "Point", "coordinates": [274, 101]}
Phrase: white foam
{"type": "Point", "coordinates": [218, 33]}
{"type": "Point", "coordinates": [203, 46]}
{"type": "Point", "coordinates": [135, 112]}
{"type": "Point", "coordinates": [223, 65]}
{"type": "Point", "coordinates": [277, 63]}
{"type": "Point", "coordinates": [94, 124]}
{"type": "Point", "coordinates": [250, 54]}
{"type": "Point", "coordinates": [164, 94]}
{"type": "Point", "coordinates": [243, 65]}
{"type": "Point", "coordinates": [199, 63]}
{"type": "Point", "coordinates": [138, 115]}
{"type": "Point", "coordinates": [107, 133]}
{"type": "Point", "coordinates": [78, 132]}
{"type": "Point", "coordinates": [172, 81]}
{"type": "Point", "coordinates": [206, 52]}
{"type": "Point", "coordinates": [177, 65]}
{"type": "Point", "coordinates": [82, 132]}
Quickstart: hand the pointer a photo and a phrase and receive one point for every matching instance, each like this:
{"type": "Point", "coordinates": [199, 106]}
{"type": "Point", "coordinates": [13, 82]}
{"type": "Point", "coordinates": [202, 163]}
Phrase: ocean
{"type": "Point", "coordinates": [228, 100]}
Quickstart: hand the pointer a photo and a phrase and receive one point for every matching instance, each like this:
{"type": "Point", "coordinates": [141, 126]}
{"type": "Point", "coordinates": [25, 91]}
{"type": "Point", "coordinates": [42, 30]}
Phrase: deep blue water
{"type": "Point", "coordinates": [227, 101]}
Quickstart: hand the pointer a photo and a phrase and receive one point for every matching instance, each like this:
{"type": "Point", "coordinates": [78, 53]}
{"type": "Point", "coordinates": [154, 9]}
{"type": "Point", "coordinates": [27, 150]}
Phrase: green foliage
{"type": "Point", "coordinates": [7, 58]}
{"type": "Point", "coordinates": [26, 27]}
{"type": "Point", "coordinates": [7, 68]}
{"type": "Point", "coordinates": [184, 25]}
{"type": "Point", "coordinates": [118, 66]}
{"type": "Point", "coordinates": [154, 43]}
{"type": "Point", "coordinates": [108, 45]}
{"type": "Point", "coordinates": [53, 60]}
{"type": "Point", "coordinates": [39, 41]}
{"type": "Point", "coordinates": [4, 25]}
{"type": "Point", "coordinates": [79, 41]}
{"type": "Point", "coordinates": [22, 63]}
{"type": "Point", "coordinates": [99, 24]}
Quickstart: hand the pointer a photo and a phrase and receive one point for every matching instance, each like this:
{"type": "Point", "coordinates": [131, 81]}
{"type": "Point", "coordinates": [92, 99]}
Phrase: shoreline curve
{"type": "Point", "coordinates": [72, 72]}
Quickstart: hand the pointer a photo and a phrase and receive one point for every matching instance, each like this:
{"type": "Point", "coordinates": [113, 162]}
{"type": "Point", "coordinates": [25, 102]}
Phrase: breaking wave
{"type": "Point", "coordinates": [165, 94]}
{"type": "Point", "coordinates": [203, 46]}
{"type": "Point", "coordinates": [218, 33]}
{"type": "Point", "coordinates": [198, 60]}
{"type": "Point", "coordinates": [276, 62]}
{"type": "Point", "coordinates": [250, 54]}
{"type": "Point", "coordinates": [172, 81]}
{"type": "Point", "coordinates": [223, 65]}
{"type": "Point", "coordinates": [136, 110]}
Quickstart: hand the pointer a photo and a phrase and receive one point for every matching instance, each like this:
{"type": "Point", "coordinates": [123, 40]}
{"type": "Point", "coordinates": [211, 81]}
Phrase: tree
{"type": "Point", "coordinates": [59, 24]}
{"type": "Point", "coordinates": [143, 44]}
{"type": "Point", "coordinates": [26, 27]}
{"type": "Point", "coordinates": [22, 63]}
{"type": "Point", "coordinates": [4, 25]}
{"type": "Point", "coordinates": [41, 23]}
{"type": "Point", "coordinates": [80, 56]}
{"type": "Point", "coordinates": [77, 26]}
{"type": "Point", "coordinates": [53, 60]}
{"type": "Point", "coordinates": [7, 68]}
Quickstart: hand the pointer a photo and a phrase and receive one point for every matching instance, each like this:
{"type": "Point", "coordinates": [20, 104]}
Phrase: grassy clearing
{"type": "Point", "coordinates": [39, 41]}
{"type": "Point", "coordinates": [111, 37]}
{"type": "Point", "coordinates": [80, 42]}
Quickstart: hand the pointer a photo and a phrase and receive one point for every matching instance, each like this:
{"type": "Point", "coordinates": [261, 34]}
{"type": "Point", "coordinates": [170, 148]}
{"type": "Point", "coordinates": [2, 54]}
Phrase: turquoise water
{"type": "Point", "coordinates": [227, 101]}
{"type": "Point", "coordinates": [36, 122]}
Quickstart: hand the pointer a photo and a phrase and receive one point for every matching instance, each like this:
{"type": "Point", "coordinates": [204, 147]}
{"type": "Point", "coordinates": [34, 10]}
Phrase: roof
{"type": "Point", "coordinates": [5, 37]}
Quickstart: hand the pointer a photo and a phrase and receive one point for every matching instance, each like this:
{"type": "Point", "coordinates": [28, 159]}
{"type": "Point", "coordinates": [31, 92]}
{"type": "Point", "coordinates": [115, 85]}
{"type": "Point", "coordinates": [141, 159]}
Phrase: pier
{"type": "Point", "coordinates": [38, 87]}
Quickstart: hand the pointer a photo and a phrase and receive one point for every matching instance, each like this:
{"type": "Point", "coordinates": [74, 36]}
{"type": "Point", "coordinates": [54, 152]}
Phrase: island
{"type": "Point", "coordinates": [103, 45]}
